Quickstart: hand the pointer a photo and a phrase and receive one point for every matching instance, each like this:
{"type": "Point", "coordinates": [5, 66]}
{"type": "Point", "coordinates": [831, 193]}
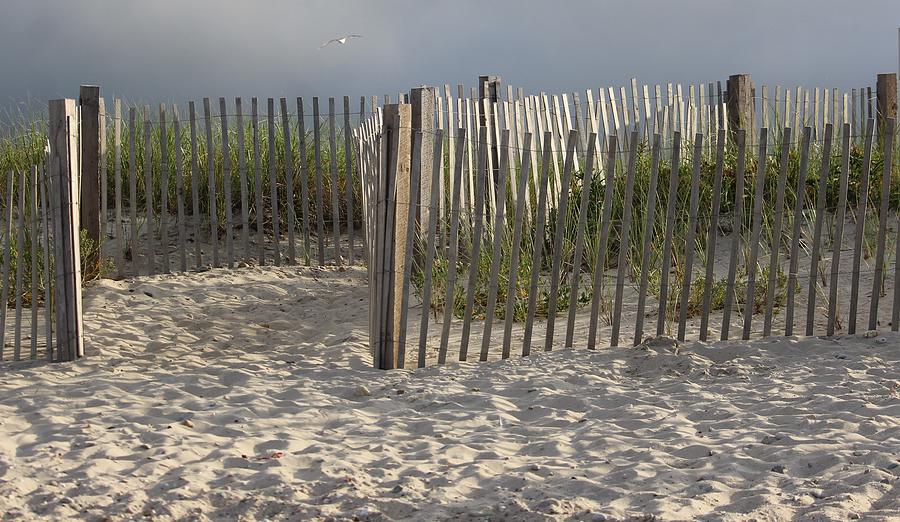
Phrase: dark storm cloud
{"type": "Point", "coordinates": [181, 49]}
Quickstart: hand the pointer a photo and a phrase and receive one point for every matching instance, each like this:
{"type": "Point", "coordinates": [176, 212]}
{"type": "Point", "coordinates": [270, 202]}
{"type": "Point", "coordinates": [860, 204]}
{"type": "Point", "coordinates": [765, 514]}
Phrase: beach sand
{"type": "Point", "coordinates": [247, 394]}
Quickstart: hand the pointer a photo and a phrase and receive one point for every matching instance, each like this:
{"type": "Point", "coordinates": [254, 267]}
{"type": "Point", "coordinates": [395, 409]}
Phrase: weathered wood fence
{"type": "Point", "coordinates": [680, 215]}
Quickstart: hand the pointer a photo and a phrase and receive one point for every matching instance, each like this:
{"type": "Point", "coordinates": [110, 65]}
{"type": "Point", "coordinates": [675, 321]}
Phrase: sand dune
{"type": "Point", "coordinates": [247, 395]}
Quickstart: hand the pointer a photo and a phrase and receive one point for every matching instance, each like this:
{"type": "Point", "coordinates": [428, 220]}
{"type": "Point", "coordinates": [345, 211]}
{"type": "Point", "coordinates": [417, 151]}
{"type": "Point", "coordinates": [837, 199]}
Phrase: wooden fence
{"type": "Point", "coordinates": [541, 220]}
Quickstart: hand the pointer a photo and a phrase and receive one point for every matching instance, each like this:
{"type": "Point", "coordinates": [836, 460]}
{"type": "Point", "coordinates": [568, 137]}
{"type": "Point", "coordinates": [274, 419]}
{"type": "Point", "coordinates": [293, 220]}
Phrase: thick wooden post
{"type": "Point", "coordinates": [393, 199]}
{"type": "Point", "coordinates": [422, 100]}
{"type": "Point", "coordinates": [886, 87]}
{"type": "Point", "coordinates": [64, 194]}
{"type": "Point", "coordinates": [739, 104]}
{"type": "Point", "coordinates": [89, 100]}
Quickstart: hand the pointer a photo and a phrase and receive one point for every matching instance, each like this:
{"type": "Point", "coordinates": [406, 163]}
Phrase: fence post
{"type": "Point", "coordinates": [64, 195]}
{"type": "Point", "coordinates": [489, 88]}
{"type": "Point", "coordinates": [89, 100]}
{"type": "Point", "coordinates": [886, 88]}
{"type": "Point", "coordinates": [422, 100]}
{"type": "Point", "coordinates": [739, 104]}
{"type": "Point", "coordinates": [393, 198]}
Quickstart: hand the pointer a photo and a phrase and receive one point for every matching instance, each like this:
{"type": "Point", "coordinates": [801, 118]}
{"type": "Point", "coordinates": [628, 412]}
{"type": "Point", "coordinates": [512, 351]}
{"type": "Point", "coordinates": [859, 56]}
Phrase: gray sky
{"type": "Point", "coordinates": [176, 50]}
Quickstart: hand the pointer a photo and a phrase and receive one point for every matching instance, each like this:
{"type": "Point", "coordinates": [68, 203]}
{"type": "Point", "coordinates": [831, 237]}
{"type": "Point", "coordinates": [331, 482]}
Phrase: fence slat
{"type": "Point", "coordinates": [348, 181]}
{"type": "Point", "coordinates": [772, 281]}
{"type": "Point", "coordinates": [624, 233]}
{"type": "Point", "coordinates": [258, 178]}
{"type": "Point", "coordinates": [119, 258]}
{"type": "Point", "coordinates": [600, 254]}
{"type": "Point", "coordinates": [33, 233]}
{"type": "Point", "coordinates": [132, 188]}
{"type": "Point", "coordinates": [148, 192]}
{"type": "Point", "coordinates": [430, 247]}
{"type": "Point", "coordinates": [648, 238]}
{"type": "Point", "coordinates": [242, 172]}
{"type": "Point", "coordinates": [7, 240]}
{"type": "Point", "coordinates": [538, 244]}
{"type": "Point", "coordinates": [288, 182]}
{"type": "Point", "coordinates": [839, 227]}
{"type": "Point", "coordinates": [578, 259]}
{"type": "Point", "coordinates": [741, 137]}
{"type": "Point", "coordinates": [755, 232]}
{"type": "Point", "coordinates": [499, 229]}
{"type": "Point", "coordinates": [671, 201]}
{"type": "Point", "coordinates": [713, 232]}
{"type": "Point", "coordinates": [179, 191]}
{"type": "Point", "coordinates": [20, 267]}
{"type": "Point", "coordinates": [800, 195]}
{"type": "Point", "coordinates": [690, 237]}
{"type": "Point", "coordinates": [861, 209]}
{"type": "Point", "coordinates": [884, 209]}
{"type": "Point", "coordinates": [565, 190]}
{"type": "Point", "coordinates": [304, 176]}
{"type": "Point", "coordinates": [817, 231]}
{"type": "Point", "coordinates": [461, 141]}
{"type": "Point", "coordinates": [320, 187]}
{"type": "Point", "coordinates": [335, 189]}
{"type": "Point", "coordinates": [195, 188]}
{"type": "Point", "coordinates": [415, 176]}
{"type": "Point", "coordinates": [273, 182]}
{"type": "Point", "coordinates": [475, 257]}
{"type": "Point", "coordinates": [48, 302]}
{"type": "Point", "coordinates": [516, 246]}
{"type": "Point", "coordinates": [211, 180]}
{"type": "Point", "coordinates": [164, 189]}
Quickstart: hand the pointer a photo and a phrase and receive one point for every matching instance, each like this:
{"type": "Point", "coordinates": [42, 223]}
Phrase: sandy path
{"type": "Point", "coordinates": [247, 395]}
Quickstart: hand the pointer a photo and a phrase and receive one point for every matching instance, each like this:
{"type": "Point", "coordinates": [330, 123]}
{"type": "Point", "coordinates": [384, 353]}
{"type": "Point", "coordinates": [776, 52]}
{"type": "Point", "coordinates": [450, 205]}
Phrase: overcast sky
{"type": "Point", "coordinates": [176, 50]}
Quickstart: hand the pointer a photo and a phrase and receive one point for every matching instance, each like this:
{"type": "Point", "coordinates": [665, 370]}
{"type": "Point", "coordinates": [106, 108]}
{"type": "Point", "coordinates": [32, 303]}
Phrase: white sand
{"type": "Point", "coordinates": [247, 394]}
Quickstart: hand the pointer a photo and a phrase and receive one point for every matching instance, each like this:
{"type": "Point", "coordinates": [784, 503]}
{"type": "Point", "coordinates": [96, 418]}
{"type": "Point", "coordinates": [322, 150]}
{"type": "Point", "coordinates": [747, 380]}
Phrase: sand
{"type": "Point", "coordinates": [246, 394]}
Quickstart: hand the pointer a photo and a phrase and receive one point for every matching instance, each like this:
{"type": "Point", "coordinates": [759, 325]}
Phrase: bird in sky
{"type": "Point", "coordinates": [342, 40]}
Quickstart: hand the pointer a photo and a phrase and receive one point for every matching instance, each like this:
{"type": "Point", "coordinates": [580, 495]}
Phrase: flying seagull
{"type": "Point", "coordinates": [341, 40]}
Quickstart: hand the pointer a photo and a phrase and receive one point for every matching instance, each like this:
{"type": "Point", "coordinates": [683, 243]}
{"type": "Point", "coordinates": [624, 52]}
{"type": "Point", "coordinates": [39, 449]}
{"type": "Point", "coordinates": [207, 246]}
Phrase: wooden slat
{"type": "Point", "coordinates": [883, 210]}
{"type": "Point", "coordinates": [477, 234]}
{"type": "Point", "coordinates": [775, 247]}
{"type": "Point", "coordinates": [454, 250]}
{"type": "Point", "coordinates": [226, 184]}
{"type": "Point", "coordinates": [600, 254]}
{"type": "Point", "coordinates": [689, 246]}
{"type": "Point", "coordinates": [288, 182]}
{"type": "Point", "coordinates": [646, 247]}
{"type": "Point", "coordinates": [578, 259]}
{"type": "Point", "coordinates": [211, 183]}
{"type": "Point", "coordinates": [242, 172]}
{"type": "Point", "coordinates": [516, 247]}
{"type": "Point", "coordinates": [499, 229]}
{"type": "Point", "coordinates": [320, 187]}
{"type": "Point", "coordinates": [149, 242]}
{"type": "Point", "coordinates": [335, 188]}
{"type": "Point", "coordinates": [755, 232]}
{"type": "Point", "coordinates": [258, 177]}
{"type": "Point", "coordinates": [671, 203]}
{"type": "Point", "coordinates": [48, 284]}
{"type": "Point", "coordinates": [712, 234]}
{"type": "Point", "coordinates": [20, 267]}
{"type": "Point", "coordinates": [556, 275]}
{"type": "Point", "coordinates": [273, 183]}
{"type": "Point", "coordinates": [132, 186]}
{"type": "Point", "coordinates": [35, 274]}
{"type": "Point", "coordinates": [430, 247]}
{"type": "Point", "coordinates": [861, 209]}
{"type": "Point", "coordinates": [624, 233]}
{"type": "Point", "coordinates": [195, 193]}
{"type": "Point", "coordinates": [348, 181]}
{"type": "Point", "coordinates": [117, 168]}
{"type": "Point", "coordinates": [164, 189]}
{"type": "Point", "coordinates": [837, 243]}
{"type": "Point", "coordinates": [304, 175]}
{"type": "Point", "coordinates": [410, 210]}
{"type": "Point", "coordinates": [538, 244]}
{"type": "Point", "coordinates": [799, 202]}
{"type": "Point", "coordinates": [7, 240]}
{"type": "Point", "coordinates": [817, 232]}
{"type": "Point", "coordinates": [179, 191]}
{"type": "Point", "coordinates": [738, 227]}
